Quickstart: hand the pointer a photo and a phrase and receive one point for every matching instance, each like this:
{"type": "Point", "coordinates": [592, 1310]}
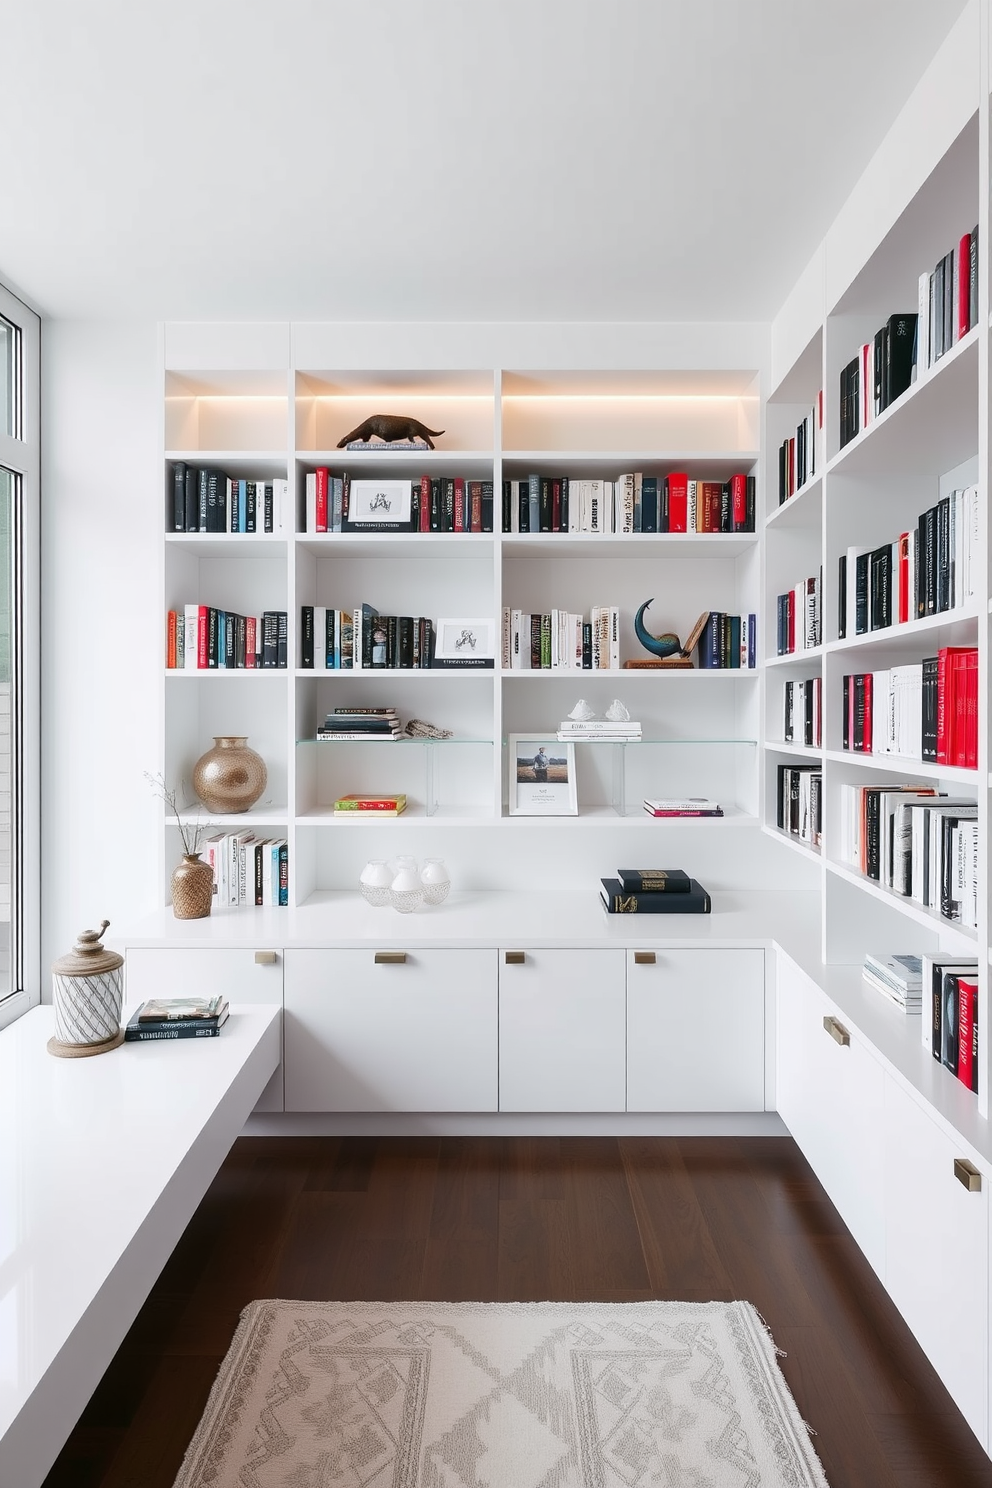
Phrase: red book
{"type": "Point", "coordinates": [458, 521]}
{"type": "Point", "coordinates": [251, 631]}
{"type": "Point", "coordinates": [202, 637]}
{"type": "Point", "coordinates": [963, 286]}
{"type": "Point", "coordinates": [321, 521]}
{"type": "Point", "coordinates": [903, 577]}
{"type": "Point", "coordinates": [967, 1019]}
{"type": "Point", "coordinates": [475, 506]}
{"type": "Point", "coordinates": [170, 646]}
{"type": "Point", "coordinates": [866, 736]}
{"type": "Point", "coordinates": [425, 503]}
{"type": "Point", "coordinates": [971, 711]}
{"type": "Point", "coordinates": [819, 409]}
{"type": "Point", "coordinates": [738, 503]}
{"type": "Point", "coordinates": [709, 495]}
{"type": "Point", "coordinates": [678, 501]}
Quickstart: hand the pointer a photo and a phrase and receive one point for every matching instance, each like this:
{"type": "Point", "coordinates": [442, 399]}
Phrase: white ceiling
{"type": "Point", "coordinates": [438, 159]}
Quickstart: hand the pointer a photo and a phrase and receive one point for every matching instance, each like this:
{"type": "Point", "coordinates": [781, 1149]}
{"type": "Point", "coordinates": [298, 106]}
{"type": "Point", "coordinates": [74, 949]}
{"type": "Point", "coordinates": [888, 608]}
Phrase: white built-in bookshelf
{"type": "Point", "coordinates": [700, 728]}
{"type": "Point", "coordinates": [929, 441]}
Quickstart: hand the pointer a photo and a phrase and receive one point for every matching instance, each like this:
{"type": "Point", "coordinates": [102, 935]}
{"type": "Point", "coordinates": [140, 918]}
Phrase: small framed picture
{"type": "Point", "coordinates": [384, 505]}
{"type": "Point", "coordinates": [465, 643]}
{"type": "Point", "coordinates": [542, 776]}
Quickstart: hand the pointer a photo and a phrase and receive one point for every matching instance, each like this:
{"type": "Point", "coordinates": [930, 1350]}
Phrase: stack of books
{"type": "Point", "coordinates": [361, 723]}
{"type": "Point", "coordinates": [897, 977]}
{"type": "Point", "coordinates": [950, 1013]}
{"type": "Point", "coordinates": [365, 806]}
{"type": "Point", "coordinates": [177, 1018]}
{"type": "Point", "coordinates": [681, 806]}
{"type": "Point", "coordinates": [654, 891]}
{"type": "Point", "coordinates": [598, 728]}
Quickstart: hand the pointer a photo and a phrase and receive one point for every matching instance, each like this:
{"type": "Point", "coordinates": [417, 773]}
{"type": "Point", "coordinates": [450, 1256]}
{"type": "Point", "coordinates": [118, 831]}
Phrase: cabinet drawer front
{"type": "Point", "coordinates": [936, 1252]}
{"type": "Point", "coordinates": [561, 1031]}
{"type": "Point", "coordinates": [696, 1031]}
{"type": "Point", "coordinates": [186, 972]}
{"type": "Point", "coordinates": [413, 1035]}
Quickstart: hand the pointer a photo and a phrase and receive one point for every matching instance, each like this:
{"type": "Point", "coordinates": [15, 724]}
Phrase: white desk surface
{"type": "Point", "coordinates": [102, 1163]}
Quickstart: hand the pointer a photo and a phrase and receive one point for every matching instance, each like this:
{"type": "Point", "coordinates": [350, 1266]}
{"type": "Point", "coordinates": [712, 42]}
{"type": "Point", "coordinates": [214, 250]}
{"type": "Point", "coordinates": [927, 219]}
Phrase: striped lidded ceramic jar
{"type": "Point", "coordinates": [87, 991]}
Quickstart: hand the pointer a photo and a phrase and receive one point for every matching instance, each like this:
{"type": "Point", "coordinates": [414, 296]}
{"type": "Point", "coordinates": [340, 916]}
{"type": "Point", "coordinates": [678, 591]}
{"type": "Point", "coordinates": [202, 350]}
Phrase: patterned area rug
{"type": "Point", "coordinates": [500, 1395]}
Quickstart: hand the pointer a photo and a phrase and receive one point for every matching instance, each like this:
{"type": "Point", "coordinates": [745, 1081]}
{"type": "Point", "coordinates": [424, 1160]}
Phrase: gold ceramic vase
{"type": "Point", "coordinates": [230, 777]}
{"type": "Point", "coordinates": [192, 888]}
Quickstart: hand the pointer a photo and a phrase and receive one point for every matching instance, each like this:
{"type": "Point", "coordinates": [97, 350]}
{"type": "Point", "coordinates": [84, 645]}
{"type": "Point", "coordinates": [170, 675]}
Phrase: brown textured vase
{"type": "Point", "coordinates": [192, 888]}
{"type": "Point", "coordinates": [230, 777]}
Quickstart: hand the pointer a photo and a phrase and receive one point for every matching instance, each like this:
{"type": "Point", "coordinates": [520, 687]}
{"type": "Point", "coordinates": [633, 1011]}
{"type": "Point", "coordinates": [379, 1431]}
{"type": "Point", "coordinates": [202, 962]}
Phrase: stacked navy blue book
{"type": "Point", "coordinates": [654, 891]}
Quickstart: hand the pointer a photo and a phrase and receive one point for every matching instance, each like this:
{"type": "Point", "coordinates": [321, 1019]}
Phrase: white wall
{"type": "Point", "coordinates": [101, 626]}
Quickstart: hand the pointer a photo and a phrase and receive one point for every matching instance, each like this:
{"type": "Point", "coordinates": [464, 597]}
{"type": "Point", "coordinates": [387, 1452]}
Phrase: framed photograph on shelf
{"type": "Point", "coordinates": [465, 643]}
{"type": "Point", "coordinates": [541, 776]}
{"type": "Point", "coordinates": [379, 505]}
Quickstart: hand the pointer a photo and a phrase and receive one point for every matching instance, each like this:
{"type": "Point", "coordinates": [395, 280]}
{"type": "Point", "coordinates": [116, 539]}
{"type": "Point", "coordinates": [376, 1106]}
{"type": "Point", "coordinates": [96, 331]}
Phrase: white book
{"type": "Point", "coordinates": [311, 501]}
{"type": "Point", "coordinates": [519, 655]}
{"type": "Point", "coordinates": [614, 636]}
{"type": "Point", "coordinates": [691, 507]}
{"type": "Point", "coordinates": [281, 517]}
{"type": "Point", "coordinates": [595, 506]}
{"type": "Point", "coordinates": [923, 326]}
{"type": "Point", "coordinates": [880, 712]}
{"type": "Point", "coordinates": [970, 543]}
{"type": "Point", "coordinates": [504, 640]}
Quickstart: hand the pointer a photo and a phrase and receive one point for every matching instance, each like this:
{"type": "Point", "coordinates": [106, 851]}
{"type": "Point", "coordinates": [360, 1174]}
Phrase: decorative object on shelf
{"type": "Point", "coordinates": [435, 880]}
{"type": "Point", "coordinates": [375, 882]}
{"type": "Point", "coordinates": [389, 427]}
{"type": "Point", "coordinates": [88, 991]}
{"type": "Point", "coordinates": [418, 728]}
{"type": "Point", "coordinates": [192, 888]}
{"type": "Point", "coordinates": [406, 890]}
{"type": "Point", "coordinates": [541, 776]}
{"type": "Point", "coordinates": [667, 649]}
{"type": "Point", "coordinates": [465, 643]}
{"type": "Point", "coordinates": [230, 777]}
{"type": "Point", "coordinates": [383, 505]}
{"type": "Point", "coordinates": [582, 712]}
{"type": "Point", "coordinates": [617, 712]}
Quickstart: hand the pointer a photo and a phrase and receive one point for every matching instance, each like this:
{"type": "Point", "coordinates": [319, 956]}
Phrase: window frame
{"type": "Point", "coordinates": [22, 456]}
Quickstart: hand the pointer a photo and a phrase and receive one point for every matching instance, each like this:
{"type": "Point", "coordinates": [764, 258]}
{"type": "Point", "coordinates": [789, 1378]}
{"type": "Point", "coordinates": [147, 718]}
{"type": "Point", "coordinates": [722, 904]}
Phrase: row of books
{"type": "Point", "coordinates": [948, 302]}
{"type": "Point", "coordinates": [341, 503]}
{"type": "Point", "coordinates": [177, 1018]}
{"type": "Point", "coordinates": [202, 637]}
{"type": "Point", "coordinates": [378, 724]}
{"type": "Point", "coordinates": [803, 722]}
{"type": "Point", "coordinates": [799, 617]}
{"type": "Point", "coordinates": [654, 891]}
{"type": "Point", "coordinates": [362, 639]}
{"type": "Point", "coordinates": [928, 570]}
{"type": "Point", "coordinates": [949, 1007]}
{"type": "Point", "coordinates": [799, 456]}
{"type": "Point", "coordinates": [248, 870]}
{"type": "Point", "coordinates": [799, 803]}
{"type": "Point", "coordinates": [916, 842]}
{"type": "Point", "coordinates": [879, 374]}
{"type": "Point", "coordinates": [926, 710]}
{"type": "Point", "coordinates": [728, 641]}
{"type": "Point", "coordinates": [632, 503]}
{"type": "Point", "coordinates": [207, 500]}
{"type": "Point", "coordinates": [559, 641]}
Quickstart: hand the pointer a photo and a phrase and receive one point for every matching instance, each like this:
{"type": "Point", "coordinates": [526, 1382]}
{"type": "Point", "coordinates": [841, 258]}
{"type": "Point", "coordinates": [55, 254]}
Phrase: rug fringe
{"type": "Point", "coordinates": [781, 1352]}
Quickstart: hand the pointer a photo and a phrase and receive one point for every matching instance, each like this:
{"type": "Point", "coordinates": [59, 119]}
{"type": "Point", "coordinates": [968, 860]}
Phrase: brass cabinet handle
{"type": "Point", "coordinates": [265, 958]}
{"type": "Point", "coordinates": [644, 958]}
{"type": "Point", "coordinates": [966, 1173]}
{"type": "Point", "coordinates": [837, 1031]}
{"type": "Point", "coordinates": [390, 958]}
{"type": "Point", "coordinates": [515, 958]}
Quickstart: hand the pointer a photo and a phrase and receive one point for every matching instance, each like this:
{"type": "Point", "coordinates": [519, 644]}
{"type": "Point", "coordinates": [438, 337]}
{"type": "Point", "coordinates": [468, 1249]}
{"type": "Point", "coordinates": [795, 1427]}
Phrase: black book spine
{"type": "Point", "coordinates": [808, 713]}
{"type": "Point", "coordinates": [929, 561]}
{"type": "Point", "coordinates": [793, 823]}
{"type": "Point", "coordinates": [858, 711]}
{"type": "Point", "coordinates": [211, 636]}
{"type": "Point", "coordinates": [861, 573]}
{"type": "Point", "coordinates": [392, 641]}
{"type": "Point", "coordinates": [936, 1011]}
{"type": "Point", "coordinates": [544, 507]}
{"type": "Point", "coordinates": [872, 854]}
{"type": "Point", "coordinates": [943, 558]}
{"type": "Point", "coordinates": [282, 639]}
{"type": "Point", "coordinates": [259, 856]}
{"type": "Point", "coordinates": [787, 727]}
{"type": "Point", "coordinates": [202, 481]}
{"type": "Point", "coordinates": [270, 639]}
{"type": "Point", "coordinates": [949, 306]}
{"type": "Point", "coordinates": [845, 742]}
{"type": "Point", "coordinates": [487, 506]}
{"type": "Point", "coordinates": [949, 1022]}
{"type": "Point", "coordinates": [783, 453]}
{"type": "Point", "coordinates": [780, 798]}
{"type": "Point", "coordinates": [448, 505]}
{"type": "Point", "coordinates": [564, 507]}
{"type": "Point", "coordinates": [523, 504]}
{"type": "Point", "coordinates": [216, 501]}
{"type": "Point", "coordinates": [842, 597]}
{"type": "Point", "coordinates": [878, 372]}
{"type": "Point", "coordinates": [404, 627]}
{"type": "Point", "coordinates": [436, 505]}
{"type": "Point", "coordinates": [507, 505]}
{"type": "Point", "coordinates": [268, 516]}
{"type": "Point", "coordinates": [306, 637]}
{"type": "Point", "coordinates": [750, 498]}
{"type": "Point", "coordinates": [415, 506]}
{"type": "Point", "coordinates": [929, 708]}
{"type": "Point", "coordinates": [179, 496]}
{"type": "Point", "coordinates": [586, 645]}
{"type": "Point", "coordinates": [621, 901]}
{"type": "Point", "coordinates": [251, 505]}
{"type": "Point", "coordinates": [900, 338]}
{"type": "Point", "coordinates": [192, 518]}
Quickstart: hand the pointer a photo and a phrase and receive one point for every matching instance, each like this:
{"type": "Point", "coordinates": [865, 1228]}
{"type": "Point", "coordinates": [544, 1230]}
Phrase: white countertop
{"type": "Point", "coordinates": [103, 1161]}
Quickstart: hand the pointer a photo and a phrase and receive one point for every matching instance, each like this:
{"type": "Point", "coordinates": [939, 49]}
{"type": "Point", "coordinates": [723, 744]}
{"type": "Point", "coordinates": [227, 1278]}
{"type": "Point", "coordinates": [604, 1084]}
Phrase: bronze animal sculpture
{"type": "Point", "coordinates": [389, 427]}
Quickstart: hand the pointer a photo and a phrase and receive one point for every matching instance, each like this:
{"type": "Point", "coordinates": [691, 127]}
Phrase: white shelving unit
{"type": "Point", "coordinates": [700, 728]}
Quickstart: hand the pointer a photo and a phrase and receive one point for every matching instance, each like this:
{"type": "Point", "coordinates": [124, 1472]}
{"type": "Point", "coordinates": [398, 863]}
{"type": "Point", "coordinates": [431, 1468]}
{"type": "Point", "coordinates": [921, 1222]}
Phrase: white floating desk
{"type": "Point", "coordinates": [103, 1162]}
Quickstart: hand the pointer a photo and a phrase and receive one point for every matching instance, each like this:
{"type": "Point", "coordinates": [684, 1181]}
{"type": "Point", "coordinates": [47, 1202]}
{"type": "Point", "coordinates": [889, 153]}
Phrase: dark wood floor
{"type": "Point", "coordinates": [528, 1219]}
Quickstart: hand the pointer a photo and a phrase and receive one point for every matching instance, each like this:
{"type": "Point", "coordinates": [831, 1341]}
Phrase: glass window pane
{"type": "Point", "coordinates": [9, 484]}
{"type": "Point", "coordinates": [10, 379]}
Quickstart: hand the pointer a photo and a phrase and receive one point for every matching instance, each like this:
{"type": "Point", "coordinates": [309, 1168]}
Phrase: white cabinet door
{"type": "Point", "coordinates": [234, 974]}
{"type": "Point", "coordinates": [383, 1035]}
{"type": "Point", "coordinates": [830, 1096]}
{"type": "Point", "coordinates": [696, 1030]}
{"type": "Point", "coordinates": [561, 1030]}
{"type": "Point", "coordinates": [936, 1252]}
